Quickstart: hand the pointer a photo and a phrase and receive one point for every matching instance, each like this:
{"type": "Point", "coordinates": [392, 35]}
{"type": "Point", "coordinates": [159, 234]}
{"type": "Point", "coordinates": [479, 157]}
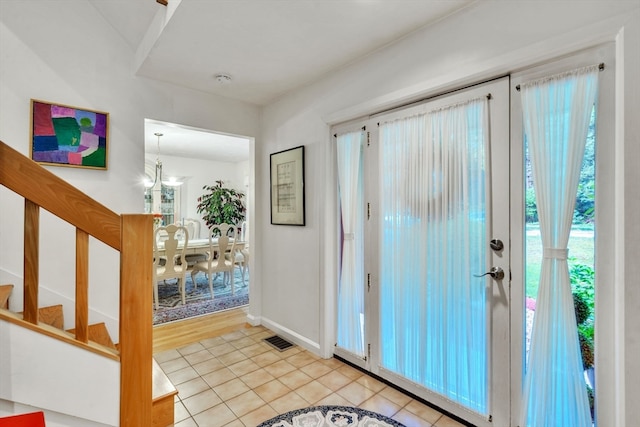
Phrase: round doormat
{"type": "Point", "coordinates": [331, 416]}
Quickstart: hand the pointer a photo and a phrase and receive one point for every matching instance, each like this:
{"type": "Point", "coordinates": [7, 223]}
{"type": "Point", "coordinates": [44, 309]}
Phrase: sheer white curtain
{"type": "Point", "coordinates": [556, 112]}
{"type": "Point", "coordinates": [433, 192]}
{"type": "Point", "coordinates": [351, 283]}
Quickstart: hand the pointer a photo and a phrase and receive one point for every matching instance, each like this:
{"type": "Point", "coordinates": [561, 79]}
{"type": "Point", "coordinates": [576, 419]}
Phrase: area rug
{"type": "Point", "coordinates": [198, 299]}
{"type": "Point", "coordinates": [331, 416]}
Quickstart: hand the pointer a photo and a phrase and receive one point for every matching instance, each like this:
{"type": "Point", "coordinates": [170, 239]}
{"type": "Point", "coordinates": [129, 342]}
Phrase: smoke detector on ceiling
{"type": "Point", "coordinates": [223, 78]}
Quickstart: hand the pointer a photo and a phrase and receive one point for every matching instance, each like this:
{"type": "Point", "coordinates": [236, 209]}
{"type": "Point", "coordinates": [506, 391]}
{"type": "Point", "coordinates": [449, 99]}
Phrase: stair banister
{"type": "Point", "coordinates": [130, 234]}
{"type": "Point", "coordinates": [35, 183]}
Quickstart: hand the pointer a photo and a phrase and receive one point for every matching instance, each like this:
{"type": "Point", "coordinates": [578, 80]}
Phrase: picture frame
{"type": "Point", "coordinates": [287, 187]}
{"type": "Point", "coordinates": [63, 135]}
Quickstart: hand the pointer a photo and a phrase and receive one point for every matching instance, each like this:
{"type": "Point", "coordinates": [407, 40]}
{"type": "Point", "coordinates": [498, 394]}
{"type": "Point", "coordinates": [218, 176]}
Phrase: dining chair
{"type": "Point", "coordinates": [241, 254]}
{"type": "Point", "coordinates": [173, 264]}
{"type": "Point", "coordinates": [222, 240]}
{"type": "Point", "coordinates": [193, 226]}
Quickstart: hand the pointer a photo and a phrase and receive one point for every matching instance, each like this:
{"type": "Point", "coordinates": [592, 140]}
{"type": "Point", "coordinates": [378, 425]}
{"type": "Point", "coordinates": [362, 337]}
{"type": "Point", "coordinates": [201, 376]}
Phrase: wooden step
{"type": "Point", "coordinates": [52, 315]}
{"type": "Point", "coordinates": [5, 292]}
{"type": "Point", "coordinates": [162, 410]}
{"type": "Point", "coordinates": [98, 333]}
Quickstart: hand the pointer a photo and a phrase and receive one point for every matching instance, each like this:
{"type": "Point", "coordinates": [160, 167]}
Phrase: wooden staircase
{"type": "Point", "coordinates": [131, 235]}
{"type": "Point", "coordinates": [164, 391]}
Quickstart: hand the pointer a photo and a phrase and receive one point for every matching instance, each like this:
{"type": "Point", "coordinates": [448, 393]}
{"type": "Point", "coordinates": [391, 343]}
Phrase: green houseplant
{"type": "Point", "coordinates": [220, 204]}
{"type": "Point", "coordinates": [582, 281]}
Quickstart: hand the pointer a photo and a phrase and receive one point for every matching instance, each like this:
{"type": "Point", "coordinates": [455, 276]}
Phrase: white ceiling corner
{"type": "Point", "coordinates": [269, 47]}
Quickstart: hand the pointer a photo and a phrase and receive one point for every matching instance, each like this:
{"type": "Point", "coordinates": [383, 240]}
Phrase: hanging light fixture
{"type": "Point", "coordinates": [171, 182]}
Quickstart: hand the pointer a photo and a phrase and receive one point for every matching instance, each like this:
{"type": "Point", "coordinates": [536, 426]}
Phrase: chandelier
{"type": "Point", "coordinates": [170, 182]}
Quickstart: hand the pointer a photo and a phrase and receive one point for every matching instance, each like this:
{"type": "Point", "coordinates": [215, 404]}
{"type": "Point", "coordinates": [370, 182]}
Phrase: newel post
{"type": "Point", "coordinates": [136, 340]}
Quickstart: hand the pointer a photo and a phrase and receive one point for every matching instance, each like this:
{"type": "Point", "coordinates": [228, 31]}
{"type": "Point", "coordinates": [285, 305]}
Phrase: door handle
{"type": "Point", "coordinates": [496, 273]}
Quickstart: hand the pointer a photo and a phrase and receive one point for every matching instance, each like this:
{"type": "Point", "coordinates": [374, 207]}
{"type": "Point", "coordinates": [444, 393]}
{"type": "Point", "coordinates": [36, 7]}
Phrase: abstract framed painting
{"type": "Point", "coordinates": [63, 135]}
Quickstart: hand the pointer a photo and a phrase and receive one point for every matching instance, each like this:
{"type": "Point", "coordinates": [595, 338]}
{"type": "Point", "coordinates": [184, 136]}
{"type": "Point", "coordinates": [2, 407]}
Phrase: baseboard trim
{"type": "Point", "coordinates": [296, 338]}
{"type": "Point", "coordinates": [254, 320]}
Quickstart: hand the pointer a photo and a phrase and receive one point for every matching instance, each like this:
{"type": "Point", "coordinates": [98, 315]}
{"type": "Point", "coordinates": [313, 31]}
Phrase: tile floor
{"type": "Point", "coordinates": [238, 380]}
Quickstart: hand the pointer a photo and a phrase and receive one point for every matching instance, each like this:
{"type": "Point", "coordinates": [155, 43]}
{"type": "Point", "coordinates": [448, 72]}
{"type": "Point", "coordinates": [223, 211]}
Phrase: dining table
{"type": "Point", "coordinates": [198, 246]}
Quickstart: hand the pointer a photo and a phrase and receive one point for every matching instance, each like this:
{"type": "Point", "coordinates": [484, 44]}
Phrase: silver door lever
{"type": "Point", "coordinates": [496, 273]}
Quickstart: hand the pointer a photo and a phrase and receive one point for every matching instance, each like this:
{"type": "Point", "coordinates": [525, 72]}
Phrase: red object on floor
{"type": "Point", "coordinates": [34, 419]}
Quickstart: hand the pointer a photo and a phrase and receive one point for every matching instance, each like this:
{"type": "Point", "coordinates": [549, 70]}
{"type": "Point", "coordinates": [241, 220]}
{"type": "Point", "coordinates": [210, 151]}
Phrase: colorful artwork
{"type": "Point", "coordinates": [68, 136]}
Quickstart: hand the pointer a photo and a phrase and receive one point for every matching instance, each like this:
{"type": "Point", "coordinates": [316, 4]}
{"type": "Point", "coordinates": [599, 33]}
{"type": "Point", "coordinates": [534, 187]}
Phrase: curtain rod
{"type": "Point", "coordinates": [363, 128]}
{"type": "Point", "coordinates": [428, 98]}
{"type": "Point", "coordinates": [488, 96]}
{"type": "Point", "coordinates": [600, 68]}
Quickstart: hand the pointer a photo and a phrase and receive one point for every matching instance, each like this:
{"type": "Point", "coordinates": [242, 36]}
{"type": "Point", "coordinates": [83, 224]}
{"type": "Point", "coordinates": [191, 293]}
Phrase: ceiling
{"type": "Point", "coordinates": [184, 141]}
{"type": "Point", "coordinates": [267, 47]}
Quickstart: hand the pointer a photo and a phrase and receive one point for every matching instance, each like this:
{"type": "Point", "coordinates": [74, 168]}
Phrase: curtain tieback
{"type": "Point", "coordinates": [556, 253]}
{"type": "Point", "coordinates": [349, 236]}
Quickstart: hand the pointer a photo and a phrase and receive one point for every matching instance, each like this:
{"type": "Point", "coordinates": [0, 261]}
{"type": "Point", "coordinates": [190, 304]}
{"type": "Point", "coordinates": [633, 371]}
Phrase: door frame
{"type": "Point", "coordinates": [604, 222]}
{"type": "Point", "coordinates": [498, 383]}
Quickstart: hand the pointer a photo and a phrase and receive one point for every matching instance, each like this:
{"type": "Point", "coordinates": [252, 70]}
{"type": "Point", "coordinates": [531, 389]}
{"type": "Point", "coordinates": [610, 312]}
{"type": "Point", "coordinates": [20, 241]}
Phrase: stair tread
{"type": "Point", "coordinates": [98, 333]}
{"type": "Point", "coordinates": [163, 395]}
{"type": "Point", "coordinates": [5, 291]}
{"type": "Point", "coordinates": [51, 315]}
{"type": "Point", "coordinates": [162, 386]}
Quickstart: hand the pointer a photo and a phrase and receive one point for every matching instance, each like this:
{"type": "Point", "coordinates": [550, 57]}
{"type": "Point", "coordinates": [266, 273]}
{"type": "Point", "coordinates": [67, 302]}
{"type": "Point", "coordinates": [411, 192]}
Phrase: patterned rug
{"type": "Point", "coordinates": [198, 300]}
{"type": "Point", "coordinates": [331, 416]}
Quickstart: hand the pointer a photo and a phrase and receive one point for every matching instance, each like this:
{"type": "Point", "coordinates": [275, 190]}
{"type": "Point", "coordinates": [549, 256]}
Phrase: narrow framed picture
{"type": "Point", "coordinates": [287, 187]}
{"type": "Point", "coordinates": [63, 135]}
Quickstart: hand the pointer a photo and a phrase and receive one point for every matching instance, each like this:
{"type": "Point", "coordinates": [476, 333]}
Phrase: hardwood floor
{"type": "Point", "coordinates": [178, 334]}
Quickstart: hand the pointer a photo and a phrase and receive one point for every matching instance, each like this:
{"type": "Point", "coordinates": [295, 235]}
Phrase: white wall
{"type": "Point", "coordinates": [65, 52]}
{"type": "Point", "coordinates": [488, 39]}
{"type": "Point", "coordinates": [58, 377]}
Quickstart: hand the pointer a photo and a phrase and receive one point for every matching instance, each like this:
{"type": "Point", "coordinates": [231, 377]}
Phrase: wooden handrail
{"type": "Point", "coordinates": [33, 182]}
{"type": "Point", "coordinates": [131, 235]}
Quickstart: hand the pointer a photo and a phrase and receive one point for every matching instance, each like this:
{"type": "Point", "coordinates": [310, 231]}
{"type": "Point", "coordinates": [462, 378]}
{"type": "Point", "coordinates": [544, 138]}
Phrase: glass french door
{"type": "Point", "coordinates": [424, 201]}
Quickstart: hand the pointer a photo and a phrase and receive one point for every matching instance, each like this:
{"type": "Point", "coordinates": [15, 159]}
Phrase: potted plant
{"type": "Point", "coordinates": [220, 204]}
{"type": "Point", "coordinates": [585, 337]}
